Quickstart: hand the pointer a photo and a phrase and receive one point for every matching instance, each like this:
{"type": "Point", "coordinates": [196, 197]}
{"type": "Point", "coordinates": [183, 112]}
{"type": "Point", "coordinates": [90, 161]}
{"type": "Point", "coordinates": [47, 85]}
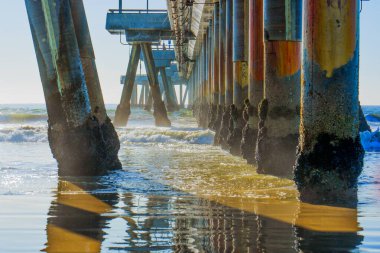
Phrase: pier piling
{"type": "Point", "coordinates": [330, 155]}
{"type": "Point", "coordinates": [124, 108]}
{"type": "Point", "coordinates": [82, 143]}
{"type": "Point", "coordinates": [160, 114]}
{"type": "Point", "coordinates": [279, 118]}
{"type": "Point", "coordinates": [256, 79]}
{"type": "Point", "coordinates": [240, 75]}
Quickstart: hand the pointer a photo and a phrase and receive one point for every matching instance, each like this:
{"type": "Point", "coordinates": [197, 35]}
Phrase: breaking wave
{"type": "Point", "coordinates": [24, 134]}
{"type": "Point", "coordinates": [371, 141]}
{"type": "Point", "coordinates": [172, 135]}
{"type": "Point", "coordinates": [137, 135]}
{"type": "Point", "coordinates": [19, 134]}
{"type": "Point", "coordinates": [22, 118]}
{"type": "Point", "coordinates": [373, 117]}
{"type": "Point", "coordinates": [18, 124]}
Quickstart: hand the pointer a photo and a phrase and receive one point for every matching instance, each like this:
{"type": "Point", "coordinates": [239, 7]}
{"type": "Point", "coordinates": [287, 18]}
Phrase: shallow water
{"type": "Point", "coordinates": [176, 193]}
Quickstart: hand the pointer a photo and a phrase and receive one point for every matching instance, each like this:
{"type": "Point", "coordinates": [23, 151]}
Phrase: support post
{"type": "Point", "coordinates": [228, 73]}
{"type": "Point", "coordinates": [187, 94]}
{"type": "Point", "coordinates": [141, 97]}
{"type": "Point", "coordinates": [134, 95]}
{"type": "Point", "coordinates": [124, 108]}
{"type": "Point", "coordinates": [240, 76]}
{"type": "Point", "coordinates": [190, 88]}
{"type": "Point", "coordinates": [149, 101]}
{"type": "Point", "coordinates": [215, 71]}
{"type": "Point", "coordinates": [256, 79]}
{"type": "Point", "coordinates": [221, 66]}
{"type": "Point", "coordinates": [74, 134]}
{"type": "Point", "coordinates": [330, 155]}
{"type": "Point", "coordinates": [120, 6]}
{"type": "Point", "coordinates": [173, 93]}
{"type": "Point", "coordinates": [181, 95]}
{"type": "Point", "coordinates": [203, 76]}
{"type": "Point", "coordinates": [160, 114]}
{"type": "Point", "coordinates": [146, 93]}
{"type": "Point", "coordinates": [171, 105]}
{"type": "Point", "coordinates": [87, 56]}
{"type": "Point", "coordinates": [279, 111]}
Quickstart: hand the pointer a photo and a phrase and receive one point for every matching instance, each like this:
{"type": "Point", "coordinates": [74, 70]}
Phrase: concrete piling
{"type": "Point", "coordinates": [124, 108]}
{"type": "Point", "coordinates": [330, 155]}
{"type": "Point", "coordinates": [87, 56]}
{"type": "Point", "coordinates": [256, 79]}
{"type": "Point", "coordinates": [260, 109]}
{"type": "Point", "coordinates": [171, 104]}
{"type": "Point", "coordinates": [203, 75]}
{"type": "Point", "coordinates": [160, 114]}
{"type": "Point", "coordinates": [173, 94]}
{"type": "Point", "coordinates": [134, 99]}
{"type": "Point", "coordinates": [141, 97]}
{"type": "Point", "coordinates": [149, 101]}
{"type": "Point", "coordinates": [214, 106]}
{"type": "Point", "coordinates": [279, 115]}
{"type": "Point", "coordinates": [221, 70]}
{"type": "Point", "coordinates": [81, 143]}
{"type": "Point", "coordinates": [228, 74]}
{"type": "Point", "coordinates": [240, 76]}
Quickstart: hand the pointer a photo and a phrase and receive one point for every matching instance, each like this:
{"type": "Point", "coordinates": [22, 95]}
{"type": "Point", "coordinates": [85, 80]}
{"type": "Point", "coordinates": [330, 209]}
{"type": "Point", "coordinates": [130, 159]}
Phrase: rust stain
{"type": "Point", "coordinates": [256, 59]}
{"type": "Point", "coordinates": [287, 60]}
{"type": "Point", "coordinates": [241, 73]}
{"type": "Point", "coordinates": [334, 34]}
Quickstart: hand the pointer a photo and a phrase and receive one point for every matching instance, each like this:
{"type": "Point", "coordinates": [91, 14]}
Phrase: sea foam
{"type": "Point", "coordinates": [23, 134]}
{"type": "Point", "coordinates": [163, 135]}
{"type": "Point", "coordinates": [371, 141]}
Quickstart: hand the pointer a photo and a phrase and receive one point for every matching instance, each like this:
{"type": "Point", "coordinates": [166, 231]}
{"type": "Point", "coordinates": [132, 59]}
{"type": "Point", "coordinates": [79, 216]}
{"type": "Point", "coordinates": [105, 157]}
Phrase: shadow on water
{"type": "Point", "coordinates": [161, 218]}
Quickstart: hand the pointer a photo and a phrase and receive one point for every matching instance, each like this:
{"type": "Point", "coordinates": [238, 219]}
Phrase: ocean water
{"type": "Point", "coordinates": [176, 193]}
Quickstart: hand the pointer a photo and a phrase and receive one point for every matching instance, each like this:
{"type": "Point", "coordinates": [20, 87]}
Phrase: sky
{"type": "Point", "coordinates": [20, 80]}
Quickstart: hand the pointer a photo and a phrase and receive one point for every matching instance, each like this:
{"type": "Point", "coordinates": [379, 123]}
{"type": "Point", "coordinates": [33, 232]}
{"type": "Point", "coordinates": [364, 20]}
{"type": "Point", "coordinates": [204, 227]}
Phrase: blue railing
{"type": "Point", "coordinates": [136, 11]}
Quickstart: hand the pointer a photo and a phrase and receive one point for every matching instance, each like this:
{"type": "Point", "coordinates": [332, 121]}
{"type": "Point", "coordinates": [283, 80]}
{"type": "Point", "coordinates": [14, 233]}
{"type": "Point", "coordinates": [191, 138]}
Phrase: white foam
{"type": "Point", "coordinates": [23, 134]}
{"type": "Point", "coordinates": [371, 141]}
{"type": "Point", "coordinates": [173, 135]}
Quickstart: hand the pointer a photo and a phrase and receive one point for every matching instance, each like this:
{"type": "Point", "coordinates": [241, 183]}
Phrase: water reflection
{"type": "Point", "coordinates": [76, 220]}
{"type": "Point", "coordinates": [174, 221]}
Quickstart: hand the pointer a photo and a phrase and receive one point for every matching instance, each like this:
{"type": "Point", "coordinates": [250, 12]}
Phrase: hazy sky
{"type": "Point", "coordinates": [19, 76]}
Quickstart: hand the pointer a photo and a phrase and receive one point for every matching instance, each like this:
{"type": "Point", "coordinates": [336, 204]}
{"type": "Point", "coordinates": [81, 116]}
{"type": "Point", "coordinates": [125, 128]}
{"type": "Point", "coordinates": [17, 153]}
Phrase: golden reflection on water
{"type": "Point", "coordinates": [213, 206]}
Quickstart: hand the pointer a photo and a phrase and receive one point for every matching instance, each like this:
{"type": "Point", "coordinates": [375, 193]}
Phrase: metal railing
{"type": "Point", "coordinates": [162, 47]}
{"type": "Point", "coordinates": [136, 11]}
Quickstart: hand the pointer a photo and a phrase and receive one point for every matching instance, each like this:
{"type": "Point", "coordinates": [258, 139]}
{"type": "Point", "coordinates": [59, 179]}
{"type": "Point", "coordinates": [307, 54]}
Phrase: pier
{"type": "Point", "coordinates": [259, 106]}
{"type": "Point", "coordinates": [273, 141]}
